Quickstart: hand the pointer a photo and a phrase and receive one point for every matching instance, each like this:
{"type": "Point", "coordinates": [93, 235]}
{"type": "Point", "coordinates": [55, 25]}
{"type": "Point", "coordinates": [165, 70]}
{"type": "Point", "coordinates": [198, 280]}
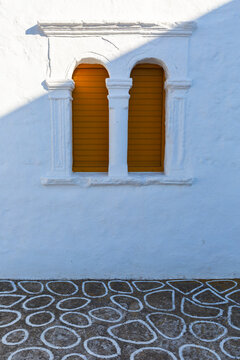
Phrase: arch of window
{"type": "Point", "coordinates": [90, 119]}
{"type": "Point", "coordinates": [146, 120]}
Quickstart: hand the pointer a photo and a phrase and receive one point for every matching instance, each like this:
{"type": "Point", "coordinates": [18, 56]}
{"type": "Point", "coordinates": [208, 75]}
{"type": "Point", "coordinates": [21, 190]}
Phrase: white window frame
{"type": "Point", "coordinates": [174, 39]}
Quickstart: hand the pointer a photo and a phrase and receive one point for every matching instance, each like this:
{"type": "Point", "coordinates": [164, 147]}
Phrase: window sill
{"type": "Point", "coordinates": [102, 179]}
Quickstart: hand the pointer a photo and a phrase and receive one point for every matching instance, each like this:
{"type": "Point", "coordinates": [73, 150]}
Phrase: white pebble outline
{"type": "Point", "coordinates": [158, 291]}
{"type": "Point", "coordinates": [4, 338]}
{"type": "Point", "coordinates": [230, 315]}
{"type": "Point", "coordinates": [60, 347]}
{"type": "Point", "coordinates": [83, 357]}
{"type": "Point", "coordinates": [148, 290]}
{"type": "Point", "coordinates": [51, 357]}
{"type": "Point", "coordinates": [198, 347]}
{"type": "Point", "coordinates": [117, 347]}
{"type": "Point", "coordinates": [209, 322]}
{"type": "Point", "coordinates": [204, 307]}
{"type": "Point", "coordinates": [171, 315]}
{"type": "Point", "coordinates": [72, 309]}
{"type": "Point", "coordinates": [36, 313]}
{"type": "Point", "coordinates": [13, 285]}
{"type": "Point", "coordinates": [62, 281]}
{"type": "Point", "coordinates": [31, 281]}
{"type": "Point", "coordinates": [232, 292]}
{"type": "Point", "coordinates": [132, 357]}
{"type": "Point", "coordinates": [223, 291]}
{"type": "Point", "coordinates": [19, 315]}
{"type": "Point", "coordinates": [71, 324]}
{"type": "Point", "coordinates": [106, 307]}
{"type": "Point", "coordinates": [222, 346]}
{"type": "Point", "coordinates": [94, 296]}
{"type": "Point", "coordinates": [39, 307]}
{"type": "Point", "coordinates": [181, 280]}
{"type": "Point", "coordinates": [120, 292]}
{"type": "Point", "coordinates": [129, 296]}
{"type": "Point", "coordinates": [205, 303]}
{"type": "Point", "coordinates": [109, 330]}
{"type": "Point", "coordinates": [22, 297]}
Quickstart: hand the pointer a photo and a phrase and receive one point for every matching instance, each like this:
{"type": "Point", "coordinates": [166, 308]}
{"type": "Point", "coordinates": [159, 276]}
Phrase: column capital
{"type": "Point", "coordinates": [60, 89]}
{"type": "Point", "coordinates": [119, 83]}
{"type": "Point", "coordinates": [118, 88]}
{"type": "Point", "coordinates": [179, 84]}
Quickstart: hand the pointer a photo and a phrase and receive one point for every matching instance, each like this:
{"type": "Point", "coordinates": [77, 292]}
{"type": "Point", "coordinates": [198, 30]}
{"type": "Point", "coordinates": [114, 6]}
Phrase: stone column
{"type": "Point", "coordinates": [175, 126]}
{"type": "Point", "coordinates": [118, 98]}
{"type": "Point", "coordinates": [60, 96]}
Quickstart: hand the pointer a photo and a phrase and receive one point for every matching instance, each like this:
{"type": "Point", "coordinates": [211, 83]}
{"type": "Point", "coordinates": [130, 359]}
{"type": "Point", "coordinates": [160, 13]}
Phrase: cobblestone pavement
{"type": "Point", "coordinates": [117, 319]}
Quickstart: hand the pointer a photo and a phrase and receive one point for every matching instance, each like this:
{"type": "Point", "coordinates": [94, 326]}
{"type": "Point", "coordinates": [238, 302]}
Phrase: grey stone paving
{"type": "Point", "coordinates": [117, 319]}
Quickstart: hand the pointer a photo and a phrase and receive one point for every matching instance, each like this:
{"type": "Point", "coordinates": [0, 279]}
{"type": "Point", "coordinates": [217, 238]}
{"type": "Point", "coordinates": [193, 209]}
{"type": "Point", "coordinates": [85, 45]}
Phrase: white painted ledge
{"type": "Point", "coordinates": [53, 28]}
{"type": "Point", "coordinates": [102, 179]}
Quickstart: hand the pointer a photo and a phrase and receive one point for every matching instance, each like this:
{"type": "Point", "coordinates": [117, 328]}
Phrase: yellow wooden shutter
{"type": "Point", "coordinates": [146, 123]}
{"type": "Point", "coordinates": [90, 119]}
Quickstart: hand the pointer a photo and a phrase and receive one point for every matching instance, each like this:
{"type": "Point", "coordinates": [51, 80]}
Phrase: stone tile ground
{"type": "Point", "coordinates": [117, 319]}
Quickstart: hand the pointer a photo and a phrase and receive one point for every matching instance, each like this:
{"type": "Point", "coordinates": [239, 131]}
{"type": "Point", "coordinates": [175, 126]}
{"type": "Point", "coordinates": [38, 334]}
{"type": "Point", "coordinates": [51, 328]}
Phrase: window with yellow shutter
{"type": "Point", "coordinates": [90, 119]}
{"type": "Point", "coordinates": [146, 120]}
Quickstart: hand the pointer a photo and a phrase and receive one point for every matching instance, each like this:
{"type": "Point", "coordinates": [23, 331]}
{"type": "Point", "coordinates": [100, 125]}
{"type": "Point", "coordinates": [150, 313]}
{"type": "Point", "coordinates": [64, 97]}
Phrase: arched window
{"type": "Point", "coordinates": [146, 121]}
{"type": "Point", "coordinates": [90, 119]}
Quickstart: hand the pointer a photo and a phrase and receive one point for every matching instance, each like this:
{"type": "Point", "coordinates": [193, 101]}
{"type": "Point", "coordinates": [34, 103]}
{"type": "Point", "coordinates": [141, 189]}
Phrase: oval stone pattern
{"type": "Point", "coordinates": [161, 300]}
{"type": "Point", "coordinates": [38, 302]}
{"type": "Point", "coordinates": [7, 286]}
{"type": "Point", "coordinates": [62, 288]}
{"type": "Point", "coordinates": [133, 331]}
{"type": "Point", "coordinates": [73, 303]}
{"type": "Point", "coordinates": [15, 337]}
{"type": "Point", "coordinates": [94, 289]}
{"type": "Point", "coordinates": [222, 286]}
{"type": "Point", "coordinates": [145, 286]}
{"type": "Point", "coordinates": [9, 317]}
{"type": "Point", "coordinates": [106, 313]}
{"type": "Point", "coordinates": [40, 318]}
{"type": "Point", "coordinates": [185, 286]}
{"type": "Point", "coordinates": [231, 347]}
{"type": "Point", "coordinates": [31, 287]}
{"type": "Point", "coordinates": [31, 353]}
{"type": "Point", "coordinates": [168, 325]}
{"type": "Point", "coordinates": [207, 330]}
{"type": "Point", "coordinates": [120, 286]}
{"type": "Point", "coordinates": [127, 302]}
{"type": "Point", "coordinates": [193, 310]}
{"type": "Point", "coordinates": [77, 319]}
{"type": "Point", "coordinates": [152, 353]}
{"type": "Point", "coordinates": [60, 337]}
{"type": "Point", "coordinates": [74, 356]}
{"type": "Point", "coordinates": [234, 296]}
{"type": "Point", "coordinates": [9, 300]}
{"type": "Point", "coordinates": [234, 317]}
{"type": "Point", "coordinates": [192, 351]}
{"type": "Point", "coordinates": [102, 347]}
{"type": "Point", "coordinates": [208, 297]}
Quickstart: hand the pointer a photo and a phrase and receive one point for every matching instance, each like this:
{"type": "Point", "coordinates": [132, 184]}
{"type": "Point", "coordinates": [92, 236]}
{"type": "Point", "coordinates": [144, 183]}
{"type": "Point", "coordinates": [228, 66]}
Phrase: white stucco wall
{"type": "Point", "coordinates": [155, 231]}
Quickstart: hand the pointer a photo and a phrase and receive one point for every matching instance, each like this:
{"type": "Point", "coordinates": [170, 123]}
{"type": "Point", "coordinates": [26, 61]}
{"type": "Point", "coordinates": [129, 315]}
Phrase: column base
{"type": "Point", "coordinates": [118, 170]}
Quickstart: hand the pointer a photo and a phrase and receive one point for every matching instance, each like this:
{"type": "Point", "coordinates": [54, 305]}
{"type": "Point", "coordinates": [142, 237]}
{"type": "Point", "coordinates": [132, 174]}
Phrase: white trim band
{"type": "Point", "coordinates": [99, 29]}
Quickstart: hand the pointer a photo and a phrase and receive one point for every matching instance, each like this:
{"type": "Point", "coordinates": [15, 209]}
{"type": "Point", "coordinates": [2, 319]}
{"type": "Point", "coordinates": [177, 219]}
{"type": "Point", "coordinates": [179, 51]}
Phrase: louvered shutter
{"type": "Point", "coordinates": [90, 119]}
{"type": "Point", "coordinates": [146, 123]}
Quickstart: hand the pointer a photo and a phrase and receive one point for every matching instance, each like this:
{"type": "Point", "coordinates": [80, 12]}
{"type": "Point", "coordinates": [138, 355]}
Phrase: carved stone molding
{"type": "Point", "coordinates": [178, 84]}
{"type": "Point", "coordinates": [100, 29]}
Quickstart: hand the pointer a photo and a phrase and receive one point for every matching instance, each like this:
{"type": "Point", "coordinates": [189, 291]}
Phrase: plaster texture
{"type": "Point", "coordinates": [110, 230]}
